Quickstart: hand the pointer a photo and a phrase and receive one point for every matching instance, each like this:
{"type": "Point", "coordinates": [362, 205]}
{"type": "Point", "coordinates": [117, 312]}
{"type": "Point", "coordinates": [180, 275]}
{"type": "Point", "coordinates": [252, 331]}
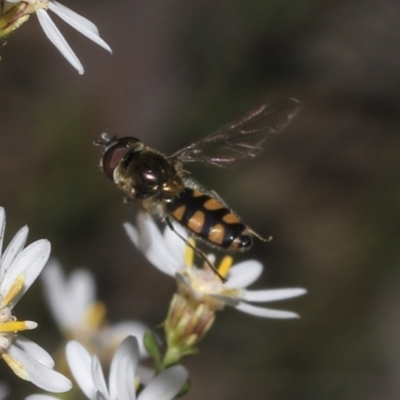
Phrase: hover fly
{"type": "Point", "coordinates": [161, 186]}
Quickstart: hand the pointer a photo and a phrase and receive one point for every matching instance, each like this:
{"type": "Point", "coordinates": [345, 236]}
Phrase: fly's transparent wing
{"type": "Point", "coordinates": [241, 139]}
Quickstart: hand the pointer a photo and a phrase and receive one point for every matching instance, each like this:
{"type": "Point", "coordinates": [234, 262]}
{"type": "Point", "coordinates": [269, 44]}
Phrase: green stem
{"type": "Point", "coordinates": [172, 356]}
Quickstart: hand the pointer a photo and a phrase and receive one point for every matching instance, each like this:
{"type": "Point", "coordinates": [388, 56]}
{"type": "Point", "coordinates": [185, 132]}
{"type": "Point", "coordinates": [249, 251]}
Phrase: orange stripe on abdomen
{"type": "Point", "coordinates": [207, 218]}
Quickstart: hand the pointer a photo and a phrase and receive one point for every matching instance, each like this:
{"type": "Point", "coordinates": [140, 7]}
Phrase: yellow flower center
{"type": "Point", "coordinates": [9, 325]}
{"type": "Point", "coordinates": [17, 367]}
{"type": "Point", "coordinates": [95, 315]}
{"type": "Point", "coordinates": [14, 290]}
{"type": "Point", "coordinates": [223, 268]}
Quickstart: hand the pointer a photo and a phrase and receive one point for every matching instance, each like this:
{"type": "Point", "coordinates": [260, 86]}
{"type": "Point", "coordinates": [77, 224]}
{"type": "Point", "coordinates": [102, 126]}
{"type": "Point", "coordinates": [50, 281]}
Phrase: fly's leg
{"type": "Point", "coordinates": [200, 253]}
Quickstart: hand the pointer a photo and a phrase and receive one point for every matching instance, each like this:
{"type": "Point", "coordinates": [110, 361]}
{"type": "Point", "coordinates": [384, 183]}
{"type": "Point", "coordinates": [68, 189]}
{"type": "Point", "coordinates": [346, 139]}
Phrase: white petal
{"type": "Point", "coordinates": [69, 299]}
{"type": "Point", "coordinates": [30, 262]}
{"type": "Point", "coordinates": [159, 254]}
{"type": "Point", "coordinates": [39, 374]}
{"type": "Point", "coordinates": [151, 243]}
{"type": "Point", "coordinates": [144, 241]}
{"type": "Point", "coordinates": [150, 236]}
{"type": "Point", "coordinates": [265, 312]}
{"type": "Point", "coordinates": [80, 364]}
{"type": "Point", "coordinates": [13, 249]}
{"type": "Point", "coordinates": [98, 377]}
{"type": "Point", "coordinates": [115, 334]}
{"type": "Point", "coordinates": [54, 281]}
{"type": "Point", "coordinates": [123, 367]}
{"type": "Point", "coordinates": [174, 243]}
{"type": "Point", "coordinates": [54, 289]}
{"type": "Point", "coordinates": [81, 291]}
{"type": "Point", "coordinates": [161, 260]}
{"type": "Point", "coordinates": [244, 274]}
{"type": "Point", "coordinates": [132, 232]}
{"type": "Point", "coordinates": [73, 15]}
{"type": "Point", "coordinates": [40, 397]}
{"type": "Point", "coordinates": [79, 23]}
{"type": "Point", "coordinates": [166, 385]}
{"type": "Point", "coordinates": [2, 227]}
{"type": "Point", "coordinates": [55, 36]}
{"type": "Point", "coordinates": [34, 351]}
{"type": "Point", "coordinates": [272, 295]}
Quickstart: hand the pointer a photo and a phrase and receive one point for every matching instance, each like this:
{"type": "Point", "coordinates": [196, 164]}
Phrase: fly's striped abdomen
{"type": "Point", "coordinates": [209, 219]}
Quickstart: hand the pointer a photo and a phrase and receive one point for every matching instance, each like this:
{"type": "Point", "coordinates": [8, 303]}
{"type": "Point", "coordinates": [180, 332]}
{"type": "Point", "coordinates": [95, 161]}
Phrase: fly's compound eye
{"type": "Point", "coordinates": [115, 152]}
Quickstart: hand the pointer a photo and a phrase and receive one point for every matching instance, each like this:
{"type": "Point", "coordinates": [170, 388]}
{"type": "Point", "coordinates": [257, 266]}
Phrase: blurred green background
{"type": "Point", "coordinates": [327, 189]}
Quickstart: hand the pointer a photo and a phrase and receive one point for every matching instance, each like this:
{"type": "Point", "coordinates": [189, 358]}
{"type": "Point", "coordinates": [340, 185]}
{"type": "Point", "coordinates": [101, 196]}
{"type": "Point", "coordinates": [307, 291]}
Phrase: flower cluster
{"type": "Point", "coordinates": [90, 341]}
{"type": "Point", "coordinates": [88, 373]}
{"type": "Point", "coordinates": [201, 292]}
{"type": "Point", "coordinates": [72, 301]}
{"type": "Point", "coordinates": [80, 316]}
{"type": "Point", "coordinates": [19, 267]}
{"type": "Point", "coordinates": [169, 253]}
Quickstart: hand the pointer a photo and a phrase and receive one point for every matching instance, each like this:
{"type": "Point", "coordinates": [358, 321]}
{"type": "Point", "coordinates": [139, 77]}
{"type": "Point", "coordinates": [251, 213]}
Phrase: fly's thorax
{"type": "Point", "coordinates": [147, 173]}
{"type": "Point", "coordinates": [173, 188]}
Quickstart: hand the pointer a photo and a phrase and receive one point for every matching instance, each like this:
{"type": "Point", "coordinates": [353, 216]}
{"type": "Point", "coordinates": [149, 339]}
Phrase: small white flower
{"type": "Point", "coordinates": [170, 255]}
{"type": "Point", "coordinates": [81, 24]}
{"type": "Point", "coordinates": [79, 315]}
{"type": "Point", "coordinates": [87, 371]}
{"type": "Point", "coordinates": [19, 268]}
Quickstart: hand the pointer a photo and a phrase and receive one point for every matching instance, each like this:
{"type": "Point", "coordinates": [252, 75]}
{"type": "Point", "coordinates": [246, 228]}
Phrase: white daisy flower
{"type": "Point", "coordinates": [19, 268]}
{"type": "Point", "coordinates": [81, 24]}
{"type": "Point", "coordinates": [79, 315]}
{"type": "Point", "coordinates": [170, 255]}
{"type": "Point", "coordinates": [87, 372]}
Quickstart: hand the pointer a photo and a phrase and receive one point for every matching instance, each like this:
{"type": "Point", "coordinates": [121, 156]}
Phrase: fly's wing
{"type": "Point", "coordinates": [242, 139]}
